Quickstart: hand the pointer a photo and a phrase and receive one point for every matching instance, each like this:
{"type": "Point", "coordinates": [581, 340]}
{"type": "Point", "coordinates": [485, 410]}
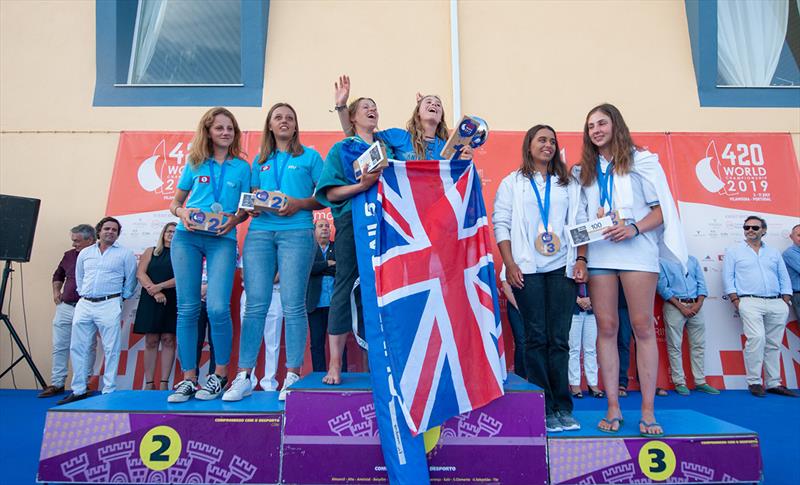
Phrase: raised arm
{"type": "Point", "coordinates": [341, 92]}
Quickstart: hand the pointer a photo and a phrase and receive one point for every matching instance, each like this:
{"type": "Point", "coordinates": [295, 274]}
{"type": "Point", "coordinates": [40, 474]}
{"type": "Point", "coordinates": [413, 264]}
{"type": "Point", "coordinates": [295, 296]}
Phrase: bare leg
{"type": "Point", "coordinates": [603, 291]}
{"type": "Point", "coordinates": [167, 358]}
{"type": "Point", "coordinates": [640, 290]}
{"type": "Point", "coordinates": [151, 341]}
{"type": "Point", "coordinates": [221, 370]}
{"type": "Point", "coordinates": [336, 344]}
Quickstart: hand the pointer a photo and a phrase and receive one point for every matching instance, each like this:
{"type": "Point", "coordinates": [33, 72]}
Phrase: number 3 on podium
{"type": "Point", "coordinates": [657, 460]}
{"type": "Point", "coordinates": [160, 448]}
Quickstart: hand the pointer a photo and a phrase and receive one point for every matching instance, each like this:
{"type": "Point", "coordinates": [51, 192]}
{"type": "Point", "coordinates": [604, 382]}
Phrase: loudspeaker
{"type": "Point", "coordinates": [18, 217]}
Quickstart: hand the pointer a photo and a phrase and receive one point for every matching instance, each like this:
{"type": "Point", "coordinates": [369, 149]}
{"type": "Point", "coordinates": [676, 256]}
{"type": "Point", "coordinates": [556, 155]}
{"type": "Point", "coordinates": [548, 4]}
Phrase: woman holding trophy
{"type": "Point", "coordinates": [532, 208]}
{"type": "Point", "coordinates": [206, 203]}
{"type": "Point", "coordinates": [626, 184]}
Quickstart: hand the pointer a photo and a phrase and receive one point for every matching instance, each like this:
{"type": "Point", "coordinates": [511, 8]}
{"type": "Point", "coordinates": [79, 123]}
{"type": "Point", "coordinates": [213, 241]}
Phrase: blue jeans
{"type": "Point", "coordinates": [187, 252]}
{"type": "Point", "coordinates": [291, 253]}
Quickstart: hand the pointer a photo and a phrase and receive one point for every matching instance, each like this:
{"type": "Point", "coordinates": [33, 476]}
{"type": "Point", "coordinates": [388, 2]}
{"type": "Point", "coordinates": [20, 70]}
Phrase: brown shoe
{"type": "Point", "coordinates": [51, 391]}
{"type": "Point", "coordinates": [757, 390]}
{"type": "Point", "coordinates": [782, 391]}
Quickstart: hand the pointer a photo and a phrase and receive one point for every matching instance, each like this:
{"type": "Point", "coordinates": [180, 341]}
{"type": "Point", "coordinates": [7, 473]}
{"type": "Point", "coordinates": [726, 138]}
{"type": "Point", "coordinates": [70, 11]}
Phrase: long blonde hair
{"type": "Point", "coordinates": [160, 246]}
{"type": "Point", "coordinates": [268, 143]}
{"type": "Point", "coordinates": [202, 146]}
{"type": "Point", "coordinates": [622, 145]}
{"type": "Point", "coordinates": [417, 131]}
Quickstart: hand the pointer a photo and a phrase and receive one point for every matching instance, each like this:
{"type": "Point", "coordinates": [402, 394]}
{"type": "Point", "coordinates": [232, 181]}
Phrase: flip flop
{"type": "Point", "coordinates": [623, 392]}
{"type": "Point", "coordinates": [661, 392]}
{"type": "Point", "coordinates": [611, 422]}
{"type": "Point", "coordinates": [645, 434]}
{"type": "Point", "coordinates": [577, 395]}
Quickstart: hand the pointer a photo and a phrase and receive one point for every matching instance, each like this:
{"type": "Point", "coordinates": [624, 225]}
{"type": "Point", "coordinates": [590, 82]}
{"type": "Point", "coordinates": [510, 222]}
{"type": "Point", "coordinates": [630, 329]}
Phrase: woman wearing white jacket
{"type": "Point", "coordinates": [532, 209]}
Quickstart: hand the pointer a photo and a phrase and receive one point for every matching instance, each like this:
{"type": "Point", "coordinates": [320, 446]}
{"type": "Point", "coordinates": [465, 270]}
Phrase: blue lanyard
{"type": "Point", "coordinates": [544, 209]}
{"type": "Point", "coordinates": [605, 181]}
{"type": "Point", "coordinates": [279, 167]}
{"type": "Point", "coordinates": [217, 187]}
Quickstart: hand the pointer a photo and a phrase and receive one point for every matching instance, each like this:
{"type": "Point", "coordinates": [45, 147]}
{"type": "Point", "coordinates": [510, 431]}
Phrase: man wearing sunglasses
{"type": "Point", "coordinates": [757, 283]}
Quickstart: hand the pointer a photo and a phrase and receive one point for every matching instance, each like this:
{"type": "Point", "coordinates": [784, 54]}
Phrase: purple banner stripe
{"type": "Point", "coordinates": [458, 440]}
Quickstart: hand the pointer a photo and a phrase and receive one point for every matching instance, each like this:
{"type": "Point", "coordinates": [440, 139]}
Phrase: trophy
{"type": "Point", "coordinates": [263, 200]}
{"type": "Point", "coordinates": [208, 222]}
{"type": "Point", "coordinates": [371, 160]}
{"type": "Point", "coordinates": [471, 131]}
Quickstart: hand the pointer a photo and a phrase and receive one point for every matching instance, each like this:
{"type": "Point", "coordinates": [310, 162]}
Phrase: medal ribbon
{"type": "Point", "coordinates": [280, 165]}
{"type": "Point", "coordinates": [605, 182]}
{"type": "Point", "coordinates": [544, 209]}
{"type": "Point", "coordinates": [217, 187]}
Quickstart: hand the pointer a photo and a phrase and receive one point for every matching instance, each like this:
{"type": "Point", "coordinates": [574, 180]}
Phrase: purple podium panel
{"type": "Point", "coordinates": [696, 449]}
{"type": "Point", "coordinates": [331, 437]}
{"type": "Point", "coordinates": [95, 441]}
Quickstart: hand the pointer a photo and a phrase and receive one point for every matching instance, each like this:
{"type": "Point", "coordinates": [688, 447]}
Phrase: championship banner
{"type": "Point", "coordinates": [717, 179]}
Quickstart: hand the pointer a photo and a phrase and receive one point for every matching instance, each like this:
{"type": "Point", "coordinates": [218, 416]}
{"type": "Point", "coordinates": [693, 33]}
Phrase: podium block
{"type": "Point", "coordinates": [330, 437]}
{"type": "Point", "coordinates": [137, 437]}
{"type": "Point", "coordinates": [695, 449]}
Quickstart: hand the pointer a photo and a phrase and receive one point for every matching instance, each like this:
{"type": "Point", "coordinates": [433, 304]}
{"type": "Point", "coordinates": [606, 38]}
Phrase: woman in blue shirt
{"type": "Point", "coordinates": [426, 131]}
{"type": "Point", "coordinates": [213, 179]}
{"type": "Point", "coordinates": [336, 187]}
{"type": "Point", "coordinates": [282, 242]}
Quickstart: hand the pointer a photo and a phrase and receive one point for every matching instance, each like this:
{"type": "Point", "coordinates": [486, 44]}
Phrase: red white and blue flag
{"type": "Point", "coordinates": [429, 296]}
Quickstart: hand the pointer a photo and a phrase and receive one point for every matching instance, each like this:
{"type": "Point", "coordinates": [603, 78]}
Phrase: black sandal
{"type": "Point", "coordinates": [598, 393]}
{"type": "Point", "coordinates": [149, 383]}
{"type": "Point", "coordinates": [166, 383]}
{"type": "Point", "coordinates": [623, 392]}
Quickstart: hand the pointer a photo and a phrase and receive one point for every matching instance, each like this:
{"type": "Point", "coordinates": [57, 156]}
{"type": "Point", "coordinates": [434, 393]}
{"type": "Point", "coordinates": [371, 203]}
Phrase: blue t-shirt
{"type": "Point", "coordinates": [295, 176]}
{"type": "Point", "coordinates": [200, 181]}
{"type": "Point", "coordinates": [399, 141]}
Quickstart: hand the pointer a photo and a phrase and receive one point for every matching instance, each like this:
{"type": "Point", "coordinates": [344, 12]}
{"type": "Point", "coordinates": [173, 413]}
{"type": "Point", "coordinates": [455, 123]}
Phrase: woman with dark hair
{"type": "Point", "coordinates": [157, 312]}
{"type": "Point", "coordinates": [626, 182]}
{"type": "Point", "coordinates": [212, 181]}
{"type": "Point", "coordinates": [532, 209]}
{"type": "Point", "coordinates": [281, 242]}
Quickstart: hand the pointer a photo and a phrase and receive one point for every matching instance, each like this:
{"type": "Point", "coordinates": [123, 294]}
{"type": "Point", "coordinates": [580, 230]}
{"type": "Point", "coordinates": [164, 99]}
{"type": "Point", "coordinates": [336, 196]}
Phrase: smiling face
{"type": "Point", "coordinates": [366, 115]}
{"type": "Point", "coordinates": [430, 109]}
{"type": "Point", "coordinates": [754, 230]}
{"type": "Point", "coordinates": [283, 123]}
{"type": "Point", "coordinates": [109, 233]}
{"type": "Point", "coordinates": [169, 232]}
{"type": "Point", "coordinates": [600, 129]}
{"type": "Point", "coordinates": [543, 146]}
{"type": "Point", "coordinates": [221, 132]}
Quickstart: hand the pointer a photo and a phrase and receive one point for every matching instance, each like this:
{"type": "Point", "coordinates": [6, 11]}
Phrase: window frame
{"type": "Point", "coordinates": [701, 16]}
{"type": "Point", "coordinates": [114, 27]}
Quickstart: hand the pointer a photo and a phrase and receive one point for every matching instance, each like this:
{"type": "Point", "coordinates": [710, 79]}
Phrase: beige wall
{"type": "Point", "coordinates": [522, 62]}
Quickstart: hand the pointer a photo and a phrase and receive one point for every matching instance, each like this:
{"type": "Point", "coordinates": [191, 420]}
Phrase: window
{"type": "Point", "coordinates": [180, 52]}
{"type": "Point", "coordinates": [746, 52]}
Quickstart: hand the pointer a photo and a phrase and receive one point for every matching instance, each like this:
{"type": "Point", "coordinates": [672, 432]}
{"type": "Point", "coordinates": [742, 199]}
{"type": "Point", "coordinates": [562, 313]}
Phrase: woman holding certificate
{"type": "Point", "coordinates": [532, 208]}
{"type": "Point", "coordinates": [212, 180]}
{"type": "Point", "coordinates": [281, 241]}
{"type": "Point", "coordinates": [626, 183]}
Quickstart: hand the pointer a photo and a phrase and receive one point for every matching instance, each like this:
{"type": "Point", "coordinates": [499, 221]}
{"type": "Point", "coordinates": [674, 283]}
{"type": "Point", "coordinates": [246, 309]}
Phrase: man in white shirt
{"type": "Point", "coordinates": [105, 274]}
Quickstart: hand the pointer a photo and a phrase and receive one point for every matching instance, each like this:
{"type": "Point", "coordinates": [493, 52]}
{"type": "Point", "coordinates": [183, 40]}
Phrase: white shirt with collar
{"type": "Point", "coordinates": [100, 274]}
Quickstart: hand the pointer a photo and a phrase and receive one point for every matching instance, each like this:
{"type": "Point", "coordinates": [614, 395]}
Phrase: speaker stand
{"type": "Point", "coordinates": [25, 354]}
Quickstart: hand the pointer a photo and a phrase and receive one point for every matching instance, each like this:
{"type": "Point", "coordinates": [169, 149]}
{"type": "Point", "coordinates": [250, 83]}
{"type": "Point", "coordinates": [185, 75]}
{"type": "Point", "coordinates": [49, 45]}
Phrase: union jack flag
{"type": "Point", "coordinates": [436, 292]}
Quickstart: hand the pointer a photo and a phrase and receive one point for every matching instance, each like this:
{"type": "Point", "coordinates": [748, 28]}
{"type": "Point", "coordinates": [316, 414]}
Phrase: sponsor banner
{"type": "Point", "coordinates": [717, 180]}
{"type": "Point", "coordinates": [108, 447]}
{"type": "Point", "coordinates": [335, 440]}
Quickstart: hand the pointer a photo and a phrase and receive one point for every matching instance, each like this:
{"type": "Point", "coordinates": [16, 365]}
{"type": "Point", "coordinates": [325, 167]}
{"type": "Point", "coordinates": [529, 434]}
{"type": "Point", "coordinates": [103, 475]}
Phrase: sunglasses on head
{"type": "Point", "coordinates": [751, 228]}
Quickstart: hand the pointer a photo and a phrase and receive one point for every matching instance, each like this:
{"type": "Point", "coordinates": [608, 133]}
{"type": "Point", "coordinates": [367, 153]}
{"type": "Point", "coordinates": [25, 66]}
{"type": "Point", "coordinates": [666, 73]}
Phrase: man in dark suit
{"type": "Point", "coordinates": [318, 297]}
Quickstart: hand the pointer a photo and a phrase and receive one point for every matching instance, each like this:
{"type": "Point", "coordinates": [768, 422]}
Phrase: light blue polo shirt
{"type": "Point", "coordinates": [399, 141]}
{"type": "Point", "coordinates": [198, 181]}
{"type": "Point", "coordinates": [295, 176]}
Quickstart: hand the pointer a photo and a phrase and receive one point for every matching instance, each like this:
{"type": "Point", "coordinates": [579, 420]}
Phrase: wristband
{"type": "Point", "coordinates": [340, 108]}
{"type": "Point", "coordinates": [637, 229]}
{"type": "Point", "coordinates": [581, 258]}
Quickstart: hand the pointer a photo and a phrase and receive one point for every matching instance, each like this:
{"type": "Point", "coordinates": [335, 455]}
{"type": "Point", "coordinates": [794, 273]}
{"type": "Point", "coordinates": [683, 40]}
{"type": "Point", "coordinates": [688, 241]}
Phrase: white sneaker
{"type": "Point", "coordinates": [241, 387]}
{"type": "Point", "coordinates": [213, 388]}
{"type": "Point", "coordinates": [291, 378]}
